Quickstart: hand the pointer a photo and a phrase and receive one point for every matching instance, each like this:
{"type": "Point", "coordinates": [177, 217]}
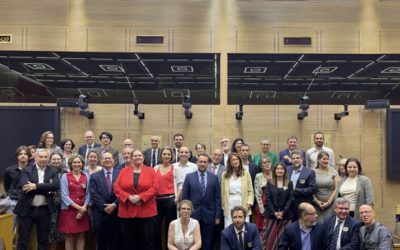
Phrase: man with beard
{"type": "Point", "coordinates": [284, 155]}
{"type": "Point", "coordinates": [312, 153]}
{"type": "Point", "coordinates": [306, 234]}
{"type": "Point", "coordinates": [128, 143]}
{"type": "Point", "coordinates": [240, 234]}
{"type": "Point", "coordinates": [226, 147]}
{"type": "Point", "coordinates": [178, 141]}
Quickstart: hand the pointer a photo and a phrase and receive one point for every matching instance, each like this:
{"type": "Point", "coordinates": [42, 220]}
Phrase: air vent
{"type": "Point", "coordinates": [111, 68]}
{"type": "Point", "coordinates": [392, 70]}
{"type": "Point", "coordinates": [324, 70]}
{"type": "Point", "coordinates": [255, 70]}
{"type": "Point", "coordinates": [145, 40]}
{"type": "Point", "coordinates": [39, 66]}
{"type": "Point", "coordinates": [182, 69]}
{"type": "Point", "coordinates": [297, 41]}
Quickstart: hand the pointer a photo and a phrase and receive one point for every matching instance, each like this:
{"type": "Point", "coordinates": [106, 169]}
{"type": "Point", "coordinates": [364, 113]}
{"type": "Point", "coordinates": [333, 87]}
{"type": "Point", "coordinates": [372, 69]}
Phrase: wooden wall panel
{"type": "Point", "coordinates": [106, 39]}
{"type": "Point", "coordinates": [386, 13]}
{"type": "Point", "coordinates": [46, 38]}
{"type": "Point", "coordinates": [389, 41]}
{"type": "Point", "coordinates": [18, 36]}
{"type": "Point", "coordinates": [340, 41]}
{"type": "Point", "coordinates": [254, 41]}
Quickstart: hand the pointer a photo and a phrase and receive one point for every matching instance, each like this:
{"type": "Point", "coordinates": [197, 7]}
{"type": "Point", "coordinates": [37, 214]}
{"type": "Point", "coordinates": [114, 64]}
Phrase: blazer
{"type": "Point", "coordinates": [291, 237]}
{"type": "Point", "coordinates": [51, 182]}
{"type": "Point", "coordinates": [287, 152]}
{"type": "Point", "coordinates": [82, 149]}
{"type": "Point", "coordinates": [251, 238]}
{"type": "Point", "coordinates": [272, 198]}
{"type": "Point", "coordinates": [364, 193]}
{"type": "Point", "coordinates": [247, 192]}
{"type": "Point", "coordinates": [253, 170]}
{"type": "Point", "coordinates": [305, 186]}
{"type": "Point", "coordinates": [99, 190]}
{"type": "Point", "coordinates": [120, 158]}
{"type": "Point", "coordinates": [148, 156]}
{"type": "Point", "coordinates": [273, 156]}
{"type": "Point", "coordinates": [147, 189]}
{"type": "Point", "coordinates": [110, 150]}
{"type": "Point", "coordinates": [207, 208]}
{"type": "Point", "coordinates": [221, 169]}
{"type": "Point", "coordinates": [350, 239]}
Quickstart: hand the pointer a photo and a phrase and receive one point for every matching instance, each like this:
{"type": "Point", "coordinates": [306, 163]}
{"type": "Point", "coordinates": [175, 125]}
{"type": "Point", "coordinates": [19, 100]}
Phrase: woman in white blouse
{"type": "Point", "coordinates": [184, 232]}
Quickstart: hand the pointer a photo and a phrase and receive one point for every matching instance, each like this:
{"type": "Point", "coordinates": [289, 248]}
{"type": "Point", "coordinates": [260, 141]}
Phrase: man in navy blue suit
{"type": "Point", "coordinates": [306, 233]}
{"type": "Point", "coordinates": [342, 230]}
{"type": "Point", "coordinates": [303, 180]}
{"type": "Point", "coordinates": [105, 203]}
{"type": "Point", "coordinates": [285, 156]}
{"type": "Point", "coordinates": [90, 144]}
{"type": "Point", "coordinates": [203, 189]}
{"type": "Point", "coordinates": [240, 235]}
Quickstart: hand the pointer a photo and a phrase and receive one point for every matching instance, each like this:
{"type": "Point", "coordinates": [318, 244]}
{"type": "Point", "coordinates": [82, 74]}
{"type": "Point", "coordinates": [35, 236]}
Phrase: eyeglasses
{"type": "Point", "coordinates": [49, 138]}
{"type": "Point", "coordinates": [107, 158]}
{"type": "Point", "coordinates": [56, 160]}
{"type": "Point", "coordinates": [313, 214]}
{"type": "Point", "coordinates": [104, 138]}
{"type": "Point", "coordinates": [223, 142]}
{"type": "Point", "coordinates": [88, 137]}
{"type": "Point", "coordinates": [267, 162]}
{"type": "Point", "coordinates": [365, 212]}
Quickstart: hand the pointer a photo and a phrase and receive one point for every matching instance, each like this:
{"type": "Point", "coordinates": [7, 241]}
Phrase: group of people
{"type": "Point", "coordinates": [205, 201]}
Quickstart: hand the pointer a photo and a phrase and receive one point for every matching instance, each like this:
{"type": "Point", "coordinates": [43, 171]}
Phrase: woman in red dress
{"type": "Point", "coordinates": [74, 220]}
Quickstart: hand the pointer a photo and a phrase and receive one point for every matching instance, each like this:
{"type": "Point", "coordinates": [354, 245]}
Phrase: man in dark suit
{"type": "Point", "coordinates": [127, 154]}
{"type": "Point", "coordinates": [203, 189]}
{"type": "Point", "coordinates": [284, 155]}
{"type": "Point", "coordinates": [215, 167]}
{"type": "Point", "coordinates": [342, 230]}
{"type": "Point", "coordinates": [226, 147]}
{"type": "Point", "coordinates": [90, 144]}
{"type": "Point", "coordinates": [305, 234]}
{"type": "Point", "coordinates": [303, 180]}
{"type": "Point", "coordinates": [105, 203]}
{"type": "Point", "coordinates": [35, 204]}
{"type": "Point", "coordinates": [106, 139]}
{"type": "Point", "coordinates": [240, 235]}
{"type": "Point", "coordinates": [152, 155]}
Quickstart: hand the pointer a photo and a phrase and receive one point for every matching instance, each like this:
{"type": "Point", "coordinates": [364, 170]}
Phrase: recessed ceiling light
{"type": "Point", "coordinates": [324, 70]}
{"type": "Point", "coordinates": [182, 68]}
{"type": "Point", "coordinates": [111, 68]}
{"type": "Point", "coordinates": [255, 70]}
{"type": "Point", "coordinates": [39, 66]}
{"type": "Point", "coordinates": [391, 70]}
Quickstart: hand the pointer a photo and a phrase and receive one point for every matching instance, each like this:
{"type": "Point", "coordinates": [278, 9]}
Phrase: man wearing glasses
{"type": "Point", "coordinates": [373, 235]}
{"type": "Point", "coordinates": [90, 144]}
{"type": "Point", "coordinates": [342, 230]}
{"type": "Point", "coordinates": [306, 234]}
{"type": "Point", "coordinates": [106, 139]}
{"type": "Point", "coordinates": [152, 155]}
{"type": "Point", "coordinates": [226, 147]}
{"type": "Point", "coordinates": [128, 143]}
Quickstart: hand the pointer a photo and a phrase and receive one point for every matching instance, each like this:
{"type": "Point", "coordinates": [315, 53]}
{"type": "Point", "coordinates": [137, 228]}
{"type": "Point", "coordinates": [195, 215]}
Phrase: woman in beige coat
{"type": "Point", "coordinates": [236, 188]}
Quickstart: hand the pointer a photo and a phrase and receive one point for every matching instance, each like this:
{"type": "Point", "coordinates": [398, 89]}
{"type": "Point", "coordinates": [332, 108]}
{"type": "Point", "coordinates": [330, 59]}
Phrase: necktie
{"type": "Point", "coordinates": [335, 236]}
{"type": "Point", "coordinates": [203, 185]}
{"type": "Point", "coordinates": [213, 169]}
{"type": "Point", "coordinates": [154, 159]}
{"type": "Point", "coordinates": [241, 244]}
{"type": "Point", "coordinates": [108, 179]}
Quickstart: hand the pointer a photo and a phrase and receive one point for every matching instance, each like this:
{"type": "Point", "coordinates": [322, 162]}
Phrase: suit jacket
{"type": "Point", "coordinates": [120, 167]}
{"type": "Point", "coordinates": [291, 237]}
{"type": "Point", "coordinates": [207, 208]}
{"type": "Point", "coordinates": [251, 238]}
{"type": "Point", "coordinates": [146, 189]}
{"type": "Point", "coordinates": [120, 158]}
{"type": "Point", "coordinates": [364, 193]}
{"type": "Point", "coordinates": [110, 150]}
{"type": "Point", "coordinates": [221, 169]}
{"type": "Point", "coordinates": [273, 199]}
{"type": "Point", "coordinates": [51, 182]}
{"type": "Point", "coordinates": [82, 149]}
{"type": "Point", "coordinates": [148, 156]}
{"type": "Point", "coordinates": [305, 186]}
{"type": "Point", "coordinates": [286, 152]}
{"type": "Point", "coordinates": [99, 190]}
{"type": "Point", "coordinates": [350, 239]}
{"type": "Point", "coordinates": [247, 192]}
{"type": "Point", "coordinates": [253, 170]}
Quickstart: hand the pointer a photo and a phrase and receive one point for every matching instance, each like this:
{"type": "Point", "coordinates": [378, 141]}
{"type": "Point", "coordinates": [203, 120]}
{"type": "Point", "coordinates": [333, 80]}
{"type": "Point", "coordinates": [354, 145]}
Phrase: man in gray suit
{"type": "Point", "coordinates": [127, 144]}
{"type": "Point", "coordinates": [106, 139]}
{"type": "Point", "coordinates": [152, 155]}
{"type": "Point", "coordinates": [215, 167]}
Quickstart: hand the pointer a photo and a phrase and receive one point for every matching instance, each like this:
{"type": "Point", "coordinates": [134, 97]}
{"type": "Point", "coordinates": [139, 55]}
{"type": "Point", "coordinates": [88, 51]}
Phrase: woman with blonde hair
{"type": "Point", "coordinates": [341, 169]}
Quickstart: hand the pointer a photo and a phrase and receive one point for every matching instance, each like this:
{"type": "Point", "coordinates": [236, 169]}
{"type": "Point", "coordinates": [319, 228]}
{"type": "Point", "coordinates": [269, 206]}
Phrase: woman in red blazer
{"type": "Point", "coordinates": [136, 188]}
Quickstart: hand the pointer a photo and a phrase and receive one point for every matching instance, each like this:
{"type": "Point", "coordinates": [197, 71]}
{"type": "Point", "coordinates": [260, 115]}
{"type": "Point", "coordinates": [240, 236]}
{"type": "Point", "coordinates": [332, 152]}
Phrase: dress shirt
{"type": "Point", "coordinates": [111, 174]}
{"type": "Point", "coordinates": [295, 176]}
{"type": "Point", "coordinates": [305, 238]}
{"type": "Point", "coordinates": [12, 184]}
{"type": "Point", "coordinates": [226, 157]}
{"type": "Point", "coordinates": [237, 235]}
{"type": "Point", "coordinates": [103, 150]}
{"type": "Point", "coordinates": [311, 157]}
{"type": "Point", "coordinates": [216, 168]}
{"type": "Point", "coordinates": [340, 231]}
{"type": "Point", "coordinates": [182, 171]}
{"type": "Point", "coordinates": [205, 177]}
{"type": "Point", "coordinates": [246, 166]}
{"type": "Point", "coordinates": [39, 200]}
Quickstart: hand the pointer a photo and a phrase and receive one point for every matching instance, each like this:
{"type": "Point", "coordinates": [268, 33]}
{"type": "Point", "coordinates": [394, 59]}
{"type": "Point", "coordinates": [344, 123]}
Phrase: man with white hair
{"type": "Point", "coordinates": [226, 147]}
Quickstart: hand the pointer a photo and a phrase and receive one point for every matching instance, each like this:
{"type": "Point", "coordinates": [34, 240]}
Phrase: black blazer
{"type": "Point", "coordinates": [350, 238]}
{"type": "Point", "coordinates": [148, 156]}
{"type": "Point", "coordinates": [99, 192]}
{"type": "Point", "coordinates": [272, 199]}
{"type": "Point", "coordinates": [305, 186]}
{"type": "Point", "coordinates": [291, 237]}
{"type": "Point", "coordinates": [51, 183]}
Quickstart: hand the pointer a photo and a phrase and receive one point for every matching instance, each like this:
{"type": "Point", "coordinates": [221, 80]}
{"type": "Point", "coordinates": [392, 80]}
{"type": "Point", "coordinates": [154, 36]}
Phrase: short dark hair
{"type": "Point", "coordinates": [72, 158]}
{"type": "Point", "coordinates": [238, 208]}
{"type": "Point", "coordinates": [20, 148]}
{"type": "Point", "coordinates": [107, 134]}
{"type": "Point", "coordinates": [203, 155]}
{"type": "Point", "coordinates": [244, 145]}
{"type": "Point", "coordinates": [319, 133]}
{"type": "Point", "coordinates": [296, 152]}
{"type": "Point", "coordinates": [179, 135]}
{"type": "Point", "coordinates": [360, 172]}
{"type": "Point", "coordinates": [62, 143]}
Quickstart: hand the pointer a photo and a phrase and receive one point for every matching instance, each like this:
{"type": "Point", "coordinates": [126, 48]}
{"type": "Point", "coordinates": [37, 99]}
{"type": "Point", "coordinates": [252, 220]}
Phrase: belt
{"type": "Point", "coordinates": [165, 196]}
{"type": "Point", "coordinates": [37, 207]}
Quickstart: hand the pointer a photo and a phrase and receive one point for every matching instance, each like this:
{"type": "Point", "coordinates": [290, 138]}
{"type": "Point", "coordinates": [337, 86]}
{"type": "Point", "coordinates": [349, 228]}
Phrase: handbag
{"type": "Point", "coordinates": [5, 203]}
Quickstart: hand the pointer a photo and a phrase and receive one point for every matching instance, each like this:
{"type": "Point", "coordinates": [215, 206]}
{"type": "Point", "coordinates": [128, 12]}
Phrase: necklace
{"type": "Point", "coordinates": [165, 168]}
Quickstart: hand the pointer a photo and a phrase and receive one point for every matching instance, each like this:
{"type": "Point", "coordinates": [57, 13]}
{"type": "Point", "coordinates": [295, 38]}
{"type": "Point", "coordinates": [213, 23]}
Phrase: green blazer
{"type": "Point", "coordinates": [273, 156]}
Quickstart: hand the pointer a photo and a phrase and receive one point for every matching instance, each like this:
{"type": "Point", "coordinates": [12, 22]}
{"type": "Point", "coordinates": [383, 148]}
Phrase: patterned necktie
{"type": "Point", "coordinates": [213, 169]}
{"type": "Point", "coordinates": [335, 236]}
{"type": "Point", "coordinates": [203, 185]}
{"type": "Point", "coordinates": [154, 159]}
{"type": "Point", "coordinates": [241, 245]}
{"type": "Point", "coordinates": [108, 179]}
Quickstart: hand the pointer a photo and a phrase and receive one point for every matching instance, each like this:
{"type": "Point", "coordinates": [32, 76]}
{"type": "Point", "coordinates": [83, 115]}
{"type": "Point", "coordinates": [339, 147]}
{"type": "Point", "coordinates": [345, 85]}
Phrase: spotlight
{"type": "Point", "coordinates": [338, 116]}
{"type": "Point", "coordinates": [136, 112]}
{"type": "Point", "coordinates": [304, 108]}
{"type": "Point", "coordinates": [83, 105]}
{"type": "Point", "coordinates": [239, 115]}
{"type": "Point", "coordinates": [187, 105]}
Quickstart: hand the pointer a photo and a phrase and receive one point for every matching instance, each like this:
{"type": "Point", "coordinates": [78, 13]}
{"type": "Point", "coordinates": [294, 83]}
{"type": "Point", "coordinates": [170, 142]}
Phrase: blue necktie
{"type": "Point", "coordinates": [203, 185]}
{"type": "Point", "coordinates": [335, 236]}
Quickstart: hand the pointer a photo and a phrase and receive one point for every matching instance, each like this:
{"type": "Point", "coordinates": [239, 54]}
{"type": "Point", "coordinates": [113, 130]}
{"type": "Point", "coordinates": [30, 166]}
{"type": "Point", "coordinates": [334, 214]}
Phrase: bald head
{"type": "Point", "coordinates": [217, 157]}
{"type": "Point", "coordinates": [307, 214]}
{"type": "Point", "coordinates": [184, 154]}
{"type": "Point", "coordinates": [107, 161]}
{"type": "Point", "coordinates": [367, 215]}
{"type": "Point", "coordinates": [154, 141]}
{"type": "Point", "coordinates": [128, 143]}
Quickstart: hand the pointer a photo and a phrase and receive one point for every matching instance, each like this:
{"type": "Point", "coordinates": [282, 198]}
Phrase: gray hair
{"type": "Point", "coordinates": [341, 200]}
{"type": "Point", "coordinates": [92, 151]}
{"type": "Point", "coordinates": [90, 132]}
{"type": "Point", "coordinates": [38, 150]}
{"type": "Point", "coordinates": [201, 144]}
{"type": "Point", "coordinates": [265, 139]}
{"type": "Point", "coordinates": [291, 137]}
{"type": "Point", "coordinates": [238, 208]}
{"type": "Point", "coordinates": [157, 137]}
{"type": "Point", "coordinates": [187, 202]}
{"type": "Point", "coordinates": [224, 137]}
{"type": "Point", "coordinates": [296, 152]}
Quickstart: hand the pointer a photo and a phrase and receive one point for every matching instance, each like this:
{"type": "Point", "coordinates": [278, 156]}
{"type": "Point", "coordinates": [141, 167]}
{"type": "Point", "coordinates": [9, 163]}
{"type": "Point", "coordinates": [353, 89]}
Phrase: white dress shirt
{"type": "Point", "coordinates": [39, 200]}
{"type": "Point", "coordinates": [311, 157]}
{"type": "Point", "coordinates": [237, 235]}
{"type": "Point", "coordinates": [182, 171]}
{"type": "Point", "coordinates": [226, 157]}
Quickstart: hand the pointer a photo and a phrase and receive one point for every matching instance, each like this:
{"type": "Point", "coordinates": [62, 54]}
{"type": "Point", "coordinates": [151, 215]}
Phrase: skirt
{"type": "Point", "coordinates": [272, 232]}
{"type": "Point", "coordinates": [70, 225]}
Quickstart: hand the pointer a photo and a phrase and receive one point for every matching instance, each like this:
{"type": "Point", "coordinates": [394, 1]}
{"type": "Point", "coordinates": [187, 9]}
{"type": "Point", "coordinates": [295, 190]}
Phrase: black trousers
{"type": "Point", "coordinates": [216, 241]}
{"type": "Point", "coordinates": [106, 228]}
{"type": "Point", "coordinates": [165, 208]}
{"type": "Point", "coordinates": [138, 233]}
{"type": "Point", "coordinates": [39, 216]}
